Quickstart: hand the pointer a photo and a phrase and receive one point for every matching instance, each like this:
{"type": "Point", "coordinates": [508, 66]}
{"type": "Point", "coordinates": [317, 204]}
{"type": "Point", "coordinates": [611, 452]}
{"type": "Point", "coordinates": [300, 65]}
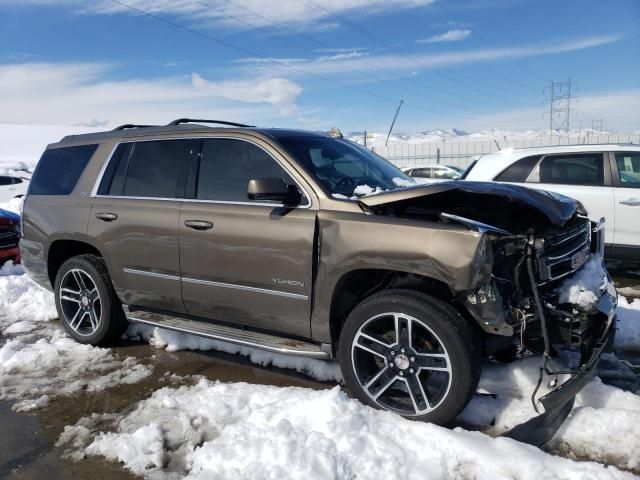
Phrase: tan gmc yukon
{"type": "Point", "coordinates": [306, 244]}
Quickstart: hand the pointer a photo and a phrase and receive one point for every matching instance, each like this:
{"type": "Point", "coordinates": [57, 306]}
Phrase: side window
{"type": "Point", "coordinates": [421, 172]}
{"type": "Point", "coordinates": [59, 169]}
{"type": "Point", "coordinates": [158, 168]}
{"type": "Point", "coordinates": [16, 180]}
{"type": "Point", "coordinates": [629, 169]}
{"type": "Point", "coordinates": [226, 166]}
{"type": "Point", "coordinates": [519, 171]}
{"type": "Point", "coordinates": [112, 181]}
{"type": "Point", "coordinates": [578, 169]}
{"type": "Point", "coordinates": [4, 180]}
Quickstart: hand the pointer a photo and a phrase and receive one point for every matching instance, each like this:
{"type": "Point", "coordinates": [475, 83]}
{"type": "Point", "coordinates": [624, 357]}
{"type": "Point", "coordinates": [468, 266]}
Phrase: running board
{"type": "Point", "coordinates": [238, 336]}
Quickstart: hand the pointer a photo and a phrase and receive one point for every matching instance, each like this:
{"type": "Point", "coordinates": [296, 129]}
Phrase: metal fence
{"type": "Point", "coordinates": [460, 153]}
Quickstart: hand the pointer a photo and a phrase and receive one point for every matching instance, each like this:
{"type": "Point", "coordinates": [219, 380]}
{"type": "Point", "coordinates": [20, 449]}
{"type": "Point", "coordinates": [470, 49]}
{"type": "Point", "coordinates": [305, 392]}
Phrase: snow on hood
{"type": "Point", "coordinates": [558, 209]}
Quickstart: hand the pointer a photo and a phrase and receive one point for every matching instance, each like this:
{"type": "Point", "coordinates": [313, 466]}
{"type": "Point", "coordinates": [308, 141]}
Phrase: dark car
{"type": "Point", "coordinates": [263, 237]}
{"type": "Point", "coordinates": [9, 237]}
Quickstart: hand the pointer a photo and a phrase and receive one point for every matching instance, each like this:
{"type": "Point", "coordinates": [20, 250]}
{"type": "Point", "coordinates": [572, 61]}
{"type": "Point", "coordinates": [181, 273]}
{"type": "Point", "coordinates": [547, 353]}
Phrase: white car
{"type": "Point", "coordinates": [13, 184]}
{"type": "Point", "coordinates": [605, 178]}
{"type": "Point", "coordinates": [433, 173]}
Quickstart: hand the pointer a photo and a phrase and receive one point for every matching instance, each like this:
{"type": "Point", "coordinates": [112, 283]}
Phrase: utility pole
{"type": "Point", "coordinates": [560, 98]}
{"type": "Point", "coordinates": [393, 122]}
{"type": "Point", "coordinates": [364, 139]}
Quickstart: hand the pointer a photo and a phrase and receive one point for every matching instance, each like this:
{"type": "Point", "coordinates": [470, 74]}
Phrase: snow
{"type": "Point", "coordinates": [38, 361]}
{"type": "Point", "coordinates": [238, 430]}
{"type": "Point", "coordinates": [173, 341]}
{"type": "Point", "coordinates": [584, 287]}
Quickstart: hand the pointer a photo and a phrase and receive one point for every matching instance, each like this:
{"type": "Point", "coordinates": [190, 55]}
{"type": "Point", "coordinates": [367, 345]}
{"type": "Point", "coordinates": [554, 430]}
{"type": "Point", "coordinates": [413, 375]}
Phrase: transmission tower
{"type": "Point", "coordinates": [560, 99]}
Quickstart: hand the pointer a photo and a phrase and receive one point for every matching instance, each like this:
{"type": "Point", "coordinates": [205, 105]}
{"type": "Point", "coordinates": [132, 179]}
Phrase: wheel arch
{"type": "Point", "coordinates": [61, 250]}
{"type": "Point", "coordinates": [356, 285]}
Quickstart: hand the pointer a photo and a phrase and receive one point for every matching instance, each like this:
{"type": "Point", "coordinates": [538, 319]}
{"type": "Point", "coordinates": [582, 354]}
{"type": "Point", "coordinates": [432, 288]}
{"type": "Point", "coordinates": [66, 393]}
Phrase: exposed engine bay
{"type": "Point", "coordinates": [535, 246]}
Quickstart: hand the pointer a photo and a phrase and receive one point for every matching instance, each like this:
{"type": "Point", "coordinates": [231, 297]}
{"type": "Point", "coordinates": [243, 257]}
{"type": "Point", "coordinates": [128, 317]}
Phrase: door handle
{"type": "Point", "coordinates": [106, 217]}
{"type": "Point", "coordinates": [632, 202]}
{"type": "Point", "coordinates": [198, 224]}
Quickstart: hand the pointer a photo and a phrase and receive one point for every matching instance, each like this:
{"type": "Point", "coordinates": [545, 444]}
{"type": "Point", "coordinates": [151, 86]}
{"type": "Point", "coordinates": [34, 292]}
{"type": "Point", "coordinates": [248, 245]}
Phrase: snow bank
{"type": "Point", "coordinates": [216, 430]}
{"type": "Point", "coordinates": [584, 287]}
{"type": "Point", "coordinates": [39, 361]}
{"type": "Point", "coordinates": [173, 341]}
{"type": "Point", "coordinates": [602, 416]}
{"type": "Point", "coordinates": [628, 334]}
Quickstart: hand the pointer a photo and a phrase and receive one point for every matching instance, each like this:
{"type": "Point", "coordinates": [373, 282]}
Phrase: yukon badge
{"type": "Point", "coordinates": [284, 281]}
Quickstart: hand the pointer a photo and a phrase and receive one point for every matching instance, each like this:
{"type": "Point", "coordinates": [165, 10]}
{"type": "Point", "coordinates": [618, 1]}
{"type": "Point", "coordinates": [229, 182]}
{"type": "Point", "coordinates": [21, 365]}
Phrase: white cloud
{"type": "Point", "coordinates": [73, 93]}
{"type": "Point", "coordinates": [449, 36]}
{"type": "Point", "coordinates": [238, 13]}
{"type": "Point", "coordinates": [417, 61]}
{"type": "Point", "coordinates": [279, 92]}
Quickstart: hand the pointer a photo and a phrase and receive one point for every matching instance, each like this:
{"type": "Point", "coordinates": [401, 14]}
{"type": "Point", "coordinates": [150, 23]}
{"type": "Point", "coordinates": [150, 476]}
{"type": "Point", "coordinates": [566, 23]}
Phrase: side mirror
{"type": "Point", "coordinates": [274, 189]}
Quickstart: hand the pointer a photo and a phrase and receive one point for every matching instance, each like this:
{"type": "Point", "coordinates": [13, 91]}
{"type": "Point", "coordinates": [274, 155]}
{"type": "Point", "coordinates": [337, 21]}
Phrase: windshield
{"type": "Point", "coordinates": [343, 168]}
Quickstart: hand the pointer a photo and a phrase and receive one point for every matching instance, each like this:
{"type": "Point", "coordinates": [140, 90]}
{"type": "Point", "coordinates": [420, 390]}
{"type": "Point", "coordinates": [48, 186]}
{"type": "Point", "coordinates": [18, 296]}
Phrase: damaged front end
{"type": "Point", "coordinates": [536, 246]}
{"type": "Point", "coordinates": [533, 274]}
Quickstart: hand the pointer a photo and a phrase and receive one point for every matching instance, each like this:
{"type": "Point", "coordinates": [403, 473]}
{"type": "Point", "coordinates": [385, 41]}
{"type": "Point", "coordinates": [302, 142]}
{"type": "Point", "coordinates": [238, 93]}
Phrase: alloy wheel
{"type": "Point", "coordinates": [401, 364]}
{"type": "Point", "coordinates": [80, 302]}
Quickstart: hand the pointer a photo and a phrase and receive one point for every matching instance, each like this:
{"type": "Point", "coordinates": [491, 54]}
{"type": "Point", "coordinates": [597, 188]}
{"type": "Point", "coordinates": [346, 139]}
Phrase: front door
{"type": "Point", "coordinates": [627, 205]}
{"type": "Point", "coordinates": [242, 261]}
{"type": "Point", "coordinates": [134, 219]}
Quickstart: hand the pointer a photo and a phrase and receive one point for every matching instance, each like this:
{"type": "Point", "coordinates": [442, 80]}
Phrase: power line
{"type": "Point", "coordinates": [402, 9]}
{"type": "Point", "coordinates": [405, 52]}
{"type": "Point", "coordinates": [283, 64]}
{"type": "Point", "coordinates": [326, 45]}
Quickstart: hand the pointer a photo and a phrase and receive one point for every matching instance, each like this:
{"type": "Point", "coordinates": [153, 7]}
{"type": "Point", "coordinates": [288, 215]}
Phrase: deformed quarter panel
{"type": "Point", "coordinates": [353, 241]}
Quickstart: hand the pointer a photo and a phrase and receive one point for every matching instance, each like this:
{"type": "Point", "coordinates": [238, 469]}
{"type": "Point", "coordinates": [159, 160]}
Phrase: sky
{"type": "Point", "coordinates": [316, 64]}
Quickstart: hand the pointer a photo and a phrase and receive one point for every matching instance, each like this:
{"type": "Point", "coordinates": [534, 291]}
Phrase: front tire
{"type": "Point", "coordinates": [410, 353]}
{"type": "Point", "coordinates": [86, 301]}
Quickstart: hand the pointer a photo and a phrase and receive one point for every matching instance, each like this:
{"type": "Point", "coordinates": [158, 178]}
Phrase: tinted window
{"type": "Point", "coordinates": [421, 172]}
{"type": "Point", "coordinates": [4, 180]}
{"type": "Point", "coordinates": [519, 171]}
{"type": "Point", "coordinates": [226, 166]}
{"type": "Point", "coordinates": [158, 168]}
{"type": "Point", "coordinates": [629, 169]}
{"type": "Point", "coordinates": [573, 169]}
{"type": "Point", "coordinates": [16, 180]}
{"type": "Point", "coordinates": [113, 178]}
{"type": "Point", "coordinates": [59, 169]}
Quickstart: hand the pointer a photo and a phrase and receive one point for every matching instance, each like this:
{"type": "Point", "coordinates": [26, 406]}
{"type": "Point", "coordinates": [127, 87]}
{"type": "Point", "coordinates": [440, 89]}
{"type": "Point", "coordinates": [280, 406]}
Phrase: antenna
{"type": "Point", "coordinates": [393, 122]}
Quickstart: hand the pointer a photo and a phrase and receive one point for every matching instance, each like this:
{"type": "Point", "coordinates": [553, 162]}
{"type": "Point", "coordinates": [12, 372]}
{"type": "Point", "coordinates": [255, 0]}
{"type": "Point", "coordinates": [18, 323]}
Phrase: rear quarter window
{"type": "Point", "coordinates": [59, 169]}
{"type": "Point", "coordinates": [519, 171]}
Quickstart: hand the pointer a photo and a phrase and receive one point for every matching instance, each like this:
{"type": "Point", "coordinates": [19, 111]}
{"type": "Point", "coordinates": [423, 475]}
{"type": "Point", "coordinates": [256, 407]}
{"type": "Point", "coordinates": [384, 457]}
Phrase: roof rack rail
{"type": "Point", "coordinates": [131, 125]}
{"type": "Point", "coordinates": [195, 120]}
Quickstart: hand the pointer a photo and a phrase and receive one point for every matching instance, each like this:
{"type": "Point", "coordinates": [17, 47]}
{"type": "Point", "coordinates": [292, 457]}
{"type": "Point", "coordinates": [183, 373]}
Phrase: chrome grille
{"type": "Point", "coordinates": [565, 251]}
{"type": "Point", "coordinates": [9, 239]}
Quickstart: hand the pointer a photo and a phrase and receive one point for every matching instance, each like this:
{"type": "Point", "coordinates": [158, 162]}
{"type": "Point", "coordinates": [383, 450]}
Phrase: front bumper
{"type": "Point", "coordinates": [559, 402]}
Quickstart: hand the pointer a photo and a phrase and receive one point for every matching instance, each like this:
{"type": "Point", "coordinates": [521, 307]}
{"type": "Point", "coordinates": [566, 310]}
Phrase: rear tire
{"type": "Point", "coordinates": [87, 304]}
{"type": "Point", "coordinates": [410, 353]}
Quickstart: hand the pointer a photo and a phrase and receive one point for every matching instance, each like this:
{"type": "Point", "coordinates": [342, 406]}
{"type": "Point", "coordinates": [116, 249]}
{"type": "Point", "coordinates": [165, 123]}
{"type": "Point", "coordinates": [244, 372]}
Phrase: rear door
{"type": "Point", "coordinates": [134, 219]}
{"type": "Point", "coordinates": [626, 181]}
{"type": "Point", "coordinates": [245, 262]}
{"type": "Point", "coordinates": [583, 176]}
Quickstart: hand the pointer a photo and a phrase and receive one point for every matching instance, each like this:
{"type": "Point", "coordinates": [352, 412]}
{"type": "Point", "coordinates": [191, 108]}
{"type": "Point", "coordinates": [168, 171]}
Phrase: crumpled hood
{"type": "Point", "coordinates": [469, 196]}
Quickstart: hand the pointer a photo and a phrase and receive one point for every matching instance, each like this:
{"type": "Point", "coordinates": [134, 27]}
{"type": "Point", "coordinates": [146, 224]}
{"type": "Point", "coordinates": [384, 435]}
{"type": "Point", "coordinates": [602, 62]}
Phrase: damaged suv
{"type": "Point", "coordinates": [305, 244]}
